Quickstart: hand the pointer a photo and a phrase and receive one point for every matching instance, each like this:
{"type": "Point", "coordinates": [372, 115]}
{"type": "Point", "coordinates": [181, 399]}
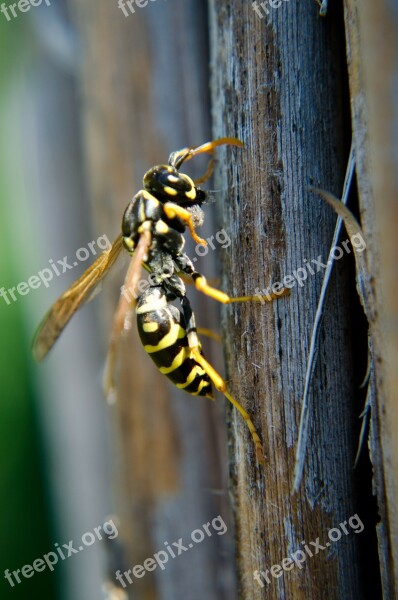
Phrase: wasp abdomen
{"type": "Point", "coordinates": [162, 330]}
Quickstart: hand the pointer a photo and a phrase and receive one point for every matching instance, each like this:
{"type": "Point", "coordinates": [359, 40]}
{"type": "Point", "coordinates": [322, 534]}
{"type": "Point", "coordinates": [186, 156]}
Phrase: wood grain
{"type": "Point", "coordinates": [278, 84]}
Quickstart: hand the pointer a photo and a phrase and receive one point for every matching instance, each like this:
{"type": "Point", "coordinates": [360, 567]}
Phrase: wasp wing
{"type": "Point", "coordinates": [122, 317]}
{"type": "Point", "coordinates": [64, 308]}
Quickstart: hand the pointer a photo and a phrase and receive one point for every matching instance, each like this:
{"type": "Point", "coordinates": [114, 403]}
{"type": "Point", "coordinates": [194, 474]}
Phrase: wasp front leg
{"type": "Point", "coordinates": [173, 210]}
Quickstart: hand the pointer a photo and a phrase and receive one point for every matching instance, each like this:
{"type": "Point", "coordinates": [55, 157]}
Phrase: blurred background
{"type": "Point", "coordinates": [90, 99]}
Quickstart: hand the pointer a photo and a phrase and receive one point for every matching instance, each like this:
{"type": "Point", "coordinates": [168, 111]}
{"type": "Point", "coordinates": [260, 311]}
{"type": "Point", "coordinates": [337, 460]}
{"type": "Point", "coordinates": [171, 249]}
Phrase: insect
{"type": "Point", "coordinates": [153, 225]}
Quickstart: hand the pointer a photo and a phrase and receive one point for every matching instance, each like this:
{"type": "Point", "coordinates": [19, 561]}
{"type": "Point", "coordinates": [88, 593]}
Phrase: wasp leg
{"type": "Point", "coordinates": [207, 174]}
{"type": "Point", "coordinates": [221, 386]}
{"type": "Point", "coordinates": [122, 317]}
{"type": "Point", "coordinates": [218, 381]}
{"type": "Point", "coordinates": [188, 280]}
{"type": "Point", "coordinates": [173, 210]}
{"type": "Point", "coordinates": [209, 333]}
{"type": "Point", "coordinates": [185, 265]}
{"type": "Point", "coordinates": [202, 285]}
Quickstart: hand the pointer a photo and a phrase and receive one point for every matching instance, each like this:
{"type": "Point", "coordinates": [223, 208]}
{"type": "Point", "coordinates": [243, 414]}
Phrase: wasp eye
{"type": "Point", "coordinates": [166, 183]}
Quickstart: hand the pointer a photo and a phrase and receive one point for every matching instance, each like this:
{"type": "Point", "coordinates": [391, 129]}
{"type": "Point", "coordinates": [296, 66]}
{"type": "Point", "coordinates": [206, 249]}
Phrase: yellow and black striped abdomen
{"type": "Point", "coordinates": [163, 334]}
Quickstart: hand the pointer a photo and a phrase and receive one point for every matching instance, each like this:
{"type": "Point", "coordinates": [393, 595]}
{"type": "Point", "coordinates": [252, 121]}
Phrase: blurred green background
{"type": "Point", "coordinates": [54, 477]}
{"type": "Point", "coordinates": [25, 521]}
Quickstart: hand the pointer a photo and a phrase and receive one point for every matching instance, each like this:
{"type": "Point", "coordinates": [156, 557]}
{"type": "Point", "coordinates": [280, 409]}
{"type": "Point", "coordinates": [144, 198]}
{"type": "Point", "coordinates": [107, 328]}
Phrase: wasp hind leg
{"type": "Point", "coordinates": [218, 381]}
{"type": "Point", "coordinates": [221, 386]}
{"type": "Point", "coordinates": [213, 335]}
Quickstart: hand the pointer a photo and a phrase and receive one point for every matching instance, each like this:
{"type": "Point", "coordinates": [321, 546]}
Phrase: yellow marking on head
{"type": "Point", "coordinates": [191, 194]}
{"type": "Point", "coordinates": [173, 178]}
{"type": "Point", "coordinates": [196, 370]}
{"type": "Point", "coordinates": [150, 327]}
{"type": "Point", "coordinates": [176, 333]}
{"type": "Point", "coordinates": [170, 191]}
{"type": "Point", "coordinates": [177, 362]}
{"type": "Point", "coordinates": [162, 227]}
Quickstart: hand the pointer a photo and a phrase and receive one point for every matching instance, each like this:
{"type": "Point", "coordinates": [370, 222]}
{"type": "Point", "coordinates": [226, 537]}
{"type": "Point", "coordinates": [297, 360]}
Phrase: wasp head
{"type": "Point", "coordinates": [166, 183]}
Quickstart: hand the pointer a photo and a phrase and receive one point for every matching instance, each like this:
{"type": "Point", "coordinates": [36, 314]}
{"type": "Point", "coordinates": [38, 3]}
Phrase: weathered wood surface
{"type": "Point", "coordinates": [372, 50]}
{"type": "Point", "coordinates": [144, 82]}
{"type": "Point", "coordinates": [278, 83]}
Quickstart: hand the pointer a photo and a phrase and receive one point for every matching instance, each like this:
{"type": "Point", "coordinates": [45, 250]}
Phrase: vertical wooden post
{"type": "Point", "coordinates": [278, 84]}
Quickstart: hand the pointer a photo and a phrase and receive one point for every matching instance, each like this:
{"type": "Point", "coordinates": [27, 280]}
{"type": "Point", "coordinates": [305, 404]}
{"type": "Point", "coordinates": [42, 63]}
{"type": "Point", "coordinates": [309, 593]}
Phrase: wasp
{"type": "Point", "coordinates": [153, 228]}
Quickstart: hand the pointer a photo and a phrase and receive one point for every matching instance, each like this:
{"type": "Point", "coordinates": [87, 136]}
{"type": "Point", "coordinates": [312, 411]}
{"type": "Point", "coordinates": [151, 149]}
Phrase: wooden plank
{"type": "Point", "coordinates": [278, 84]}
{"type": "Point", "coordinates": [372, 59]}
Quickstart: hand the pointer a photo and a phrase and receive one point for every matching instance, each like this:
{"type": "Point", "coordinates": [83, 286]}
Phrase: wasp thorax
{"type": "Point", "coordinates": [166, 183]}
